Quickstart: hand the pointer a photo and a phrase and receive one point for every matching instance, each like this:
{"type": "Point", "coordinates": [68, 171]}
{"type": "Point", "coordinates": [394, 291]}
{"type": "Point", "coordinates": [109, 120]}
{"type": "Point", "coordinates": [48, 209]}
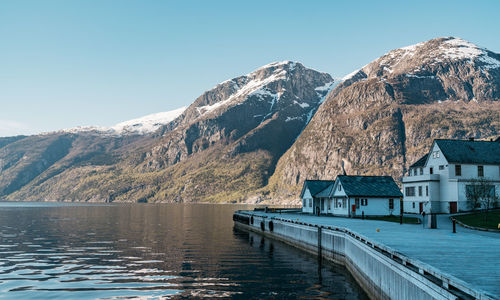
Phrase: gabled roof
{"type": "Point", "coordinates": [421, 162]}
{"type": "Point", "coordinates": [470, 152]}
{"type": "Point", "coordinates": [369, 186]}
{"type": "Point", "coordinates": [315, 186]}
{"type": "Point", "coordinates": [326, 192]}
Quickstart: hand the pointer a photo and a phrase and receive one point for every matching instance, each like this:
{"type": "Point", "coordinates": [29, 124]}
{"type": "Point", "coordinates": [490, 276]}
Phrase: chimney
{"type": "Point", "coordinates": [343, 169]}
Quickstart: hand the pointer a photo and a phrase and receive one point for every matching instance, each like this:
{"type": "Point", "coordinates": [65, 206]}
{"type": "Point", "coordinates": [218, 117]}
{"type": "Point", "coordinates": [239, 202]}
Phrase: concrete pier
{"type": "Point", "coordinates": [383, 272]}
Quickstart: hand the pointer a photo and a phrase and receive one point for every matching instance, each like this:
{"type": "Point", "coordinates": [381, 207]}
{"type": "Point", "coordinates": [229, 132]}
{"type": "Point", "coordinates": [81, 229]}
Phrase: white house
{"type": "Point", "coordinates": [311, 203]}
{"type": "Point", "coordinates": [438, 181]}
{"type": "Point", "coordinates": [352, 196]}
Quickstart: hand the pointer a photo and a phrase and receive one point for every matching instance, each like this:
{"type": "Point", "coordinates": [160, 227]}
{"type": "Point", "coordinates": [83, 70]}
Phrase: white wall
{"type": "Point", "coordinates": [338, 196]}
{"type": "Point", "coordinates": [343, 210]}
{"type": "Point", "coordinates": [308, 197]}
{"type": "Point", "coordinates": [377, 207]}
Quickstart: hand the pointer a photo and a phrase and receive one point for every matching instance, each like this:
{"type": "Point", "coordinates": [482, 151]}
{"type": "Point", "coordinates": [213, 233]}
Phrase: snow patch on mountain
{"type": "Point", "coordinates": [450, 49]}
{"type": "Point", "coordinates": [142, 125]}
{"type": "Point", "coordinates": [254, 84]}
{"type": "Point", "coordinates": [324, 90]}
{"type": "Point", "coordinates": [303, 104]}
{"type": "Point", "coordinates": [149, 123]}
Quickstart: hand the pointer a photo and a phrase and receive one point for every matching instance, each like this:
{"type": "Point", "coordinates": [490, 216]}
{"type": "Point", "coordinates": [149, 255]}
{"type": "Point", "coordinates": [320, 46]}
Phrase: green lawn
{"type": "Point", "coordinates": [395, 219]}
{"type": "Point", "coordinates": [477, 219]}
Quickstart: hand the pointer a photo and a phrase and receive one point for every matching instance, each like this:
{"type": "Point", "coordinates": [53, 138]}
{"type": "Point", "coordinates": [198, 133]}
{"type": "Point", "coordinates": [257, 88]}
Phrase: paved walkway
{"type": "Point", "coordinates": [470, 255]}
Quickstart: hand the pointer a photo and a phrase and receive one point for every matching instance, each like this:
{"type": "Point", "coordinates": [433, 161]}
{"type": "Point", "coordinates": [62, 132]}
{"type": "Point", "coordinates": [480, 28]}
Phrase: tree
{"type": "Point", "coordinates": [481, 194]}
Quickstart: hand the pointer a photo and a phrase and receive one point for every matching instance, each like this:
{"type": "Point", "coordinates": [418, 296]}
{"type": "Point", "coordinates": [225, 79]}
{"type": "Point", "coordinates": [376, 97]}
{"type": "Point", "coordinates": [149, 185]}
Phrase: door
{"type": "Point", "coordinates": [421, 207]}
{"type": "Point", "coordinates": [453, 207]}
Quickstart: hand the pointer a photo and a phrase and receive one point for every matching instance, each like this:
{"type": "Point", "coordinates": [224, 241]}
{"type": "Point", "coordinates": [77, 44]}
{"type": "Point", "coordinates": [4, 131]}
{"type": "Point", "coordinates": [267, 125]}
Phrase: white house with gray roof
{"type": "Point", "coordinates": [352, 196]}
{"type": "Point", "coordinates": [438, 181]}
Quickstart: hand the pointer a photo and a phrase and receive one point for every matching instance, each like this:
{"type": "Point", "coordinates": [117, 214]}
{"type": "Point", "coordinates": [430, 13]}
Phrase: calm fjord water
{"type": "Point", "coordinates": [68, 251]}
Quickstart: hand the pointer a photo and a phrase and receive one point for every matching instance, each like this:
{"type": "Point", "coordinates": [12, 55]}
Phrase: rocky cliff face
{"type": "Point", "coordinates": [265, 110]}
{"type": "Point", "coordinates": [383, 117]}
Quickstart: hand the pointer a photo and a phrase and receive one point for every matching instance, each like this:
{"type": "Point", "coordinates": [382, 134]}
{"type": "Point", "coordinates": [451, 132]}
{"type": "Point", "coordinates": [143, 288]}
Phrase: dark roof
{"type": "Point", "coordinates": [369, 186]}
{"type": "Point", "coordinates": [420, 162]}
{"type": "Point", "coordinates": [315, 186]}
{"type": "Point", "coordinates": [325, 192]}
{"type": "Point", "coordinates": [470, 152]}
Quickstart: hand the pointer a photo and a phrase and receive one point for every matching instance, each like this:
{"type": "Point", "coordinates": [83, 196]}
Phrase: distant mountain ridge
{"type": "Point", "coordinates": [258, 136]}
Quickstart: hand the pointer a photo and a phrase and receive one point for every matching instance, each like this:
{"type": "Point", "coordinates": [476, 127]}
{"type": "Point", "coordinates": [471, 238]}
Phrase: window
{"type": "Point", "coordinates": [310, 202]}
{"type": "Point", "coordinates": [427, 190]}
{"type": "Point", "coordinates": [433, 154]}
{"type": "Point", "coordinates": [344, 205]}
{"type": "Point", "coordinates": [339, 203]}
{"type": "Point", "coordinates": [415, 172]}
{"type": "Point", "coordinates": [391, 203]}
{"type": "Point", "coordinates": [304, 203]}
{"type": "Point", "coordinates": [420, 190]}
{"type": "Point", "coordinates": [421, 171]}
{"type": "Point", "coordinates": [340, 187]}
{"type": "Point", "coordinates": [413, 204]}
{"type": "Point", "coordinates": [480, 171]}
{"type": "Point", "coordinates": [437, 154]}
{"type": "Point", "coordinates": [431, 170]}
{"type": "Point", "coordinates": [410, 191]}
{"type": "Point", "coordinates": [458, 170]}
{"type": "Point", "coordinates": [441, 167]}
{"type": "Point", "coordinates": [364, 202]}
{"type": "Point", "coordinates": [328, 203]}
{"type": "Point", "coordinates": [357, 202]}
{"type": "Point", "coordinates": [322, 204]}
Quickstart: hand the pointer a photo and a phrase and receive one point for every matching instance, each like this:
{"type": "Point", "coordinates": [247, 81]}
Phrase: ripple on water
{"type": "Point", "coordinates": [90, 253]}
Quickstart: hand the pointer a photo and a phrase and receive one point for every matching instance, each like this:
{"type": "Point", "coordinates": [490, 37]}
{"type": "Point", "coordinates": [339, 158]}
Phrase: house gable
{"type": "Point", "coordinates": [335, 190]}
{"type": "Point", "coordinates": [435, 156]}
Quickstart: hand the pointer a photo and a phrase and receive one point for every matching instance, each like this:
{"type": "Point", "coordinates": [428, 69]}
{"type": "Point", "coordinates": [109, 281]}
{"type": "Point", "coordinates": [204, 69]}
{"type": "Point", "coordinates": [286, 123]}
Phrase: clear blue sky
{"type": "Point", "coordinates": [68, 63]}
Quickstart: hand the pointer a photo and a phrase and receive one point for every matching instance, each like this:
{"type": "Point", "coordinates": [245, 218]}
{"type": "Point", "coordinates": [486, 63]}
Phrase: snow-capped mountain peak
{"type": "Point", "coordinates": [414, 59]}
{"type": "Point", "coordinates": [261, 82]}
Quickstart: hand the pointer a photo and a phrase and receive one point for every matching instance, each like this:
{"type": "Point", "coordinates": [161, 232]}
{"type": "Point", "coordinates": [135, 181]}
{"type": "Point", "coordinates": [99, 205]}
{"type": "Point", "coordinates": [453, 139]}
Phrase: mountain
{"type": "Point", "coordinates": [383, 117]}
{"type": "Point", "coordinates": [257, 137]}
{"type": "Point", "coordinates": [221, 148]}
{"type": "Point", "coordinates": [266, 109]}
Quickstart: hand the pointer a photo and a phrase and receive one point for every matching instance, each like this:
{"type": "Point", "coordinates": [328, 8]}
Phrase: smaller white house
{"type": "Point", "coordinates": [352, 196]}
{"type": "Point", "coordinates": [312, 201]}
